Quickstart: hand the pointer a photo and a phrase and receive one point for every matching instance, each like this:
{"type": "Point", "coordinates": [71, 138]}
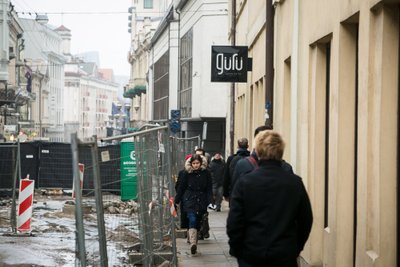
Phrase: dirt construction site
{"type": "Point", "coordinates": [52, 239]}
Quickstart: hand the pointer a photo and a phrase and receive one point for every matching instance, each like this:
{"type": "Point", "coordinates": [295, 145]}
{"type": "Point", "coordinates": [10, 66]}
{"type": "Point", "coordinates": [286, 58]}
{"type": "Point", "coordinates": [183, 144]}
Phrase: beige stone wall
{"type": "Point", "coordinates": [250, 96]}
{"type": "Point", "coordinates": [341, 125]}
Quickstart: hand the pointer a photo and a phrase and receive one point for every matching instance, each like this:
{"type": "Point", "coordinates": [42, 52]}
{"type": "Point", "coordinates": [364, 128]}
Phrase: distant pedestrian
{"type": "Point", "coordinates": [204, 225]}
{"type": "Point", "coordinates": [248, 164]}
{"type": "Point", "coordinates": [270, 215]}
{"type": "Point", "coordinates": [242, 152]}
{"type": "Point", "coordinates": [195, 191]}
{"type": "Point", "coordinates": [217, 168]}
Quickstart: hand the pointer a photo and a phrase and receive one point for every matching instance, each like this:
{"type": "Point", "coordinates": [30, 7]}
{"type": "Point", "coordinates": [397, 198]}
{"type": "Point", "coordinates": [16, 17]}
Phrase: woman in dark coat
{"type": "Point", "coordinates": [195, 192]}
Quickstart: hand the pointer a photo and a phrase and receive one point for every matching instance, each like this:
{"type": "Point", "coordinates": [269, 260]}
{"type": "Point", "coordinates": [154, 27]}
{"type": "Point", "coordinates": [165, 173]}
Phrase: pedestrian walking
{"type": "Point", "coordinates": [270, 215]}
{"type": "Point", "coordinates": [248, 164]}
{"type": "Point", "coordinates": [195, 192]}
{"type": "Point", "coordinates": [204, 231]}
{"type": "Point", "coordinates": [217, 169]}
{"type": "Point", "coordinates": [242, 152]}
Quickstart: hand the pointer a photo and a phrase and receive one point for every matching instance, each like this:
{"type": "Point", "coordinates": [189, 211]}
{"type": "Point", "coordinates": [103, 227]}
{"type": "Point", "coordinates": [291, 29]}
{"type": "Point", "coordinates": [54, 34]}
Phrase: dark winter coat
{"type": "Point", "coordinates": [227, 176]}
{"type": "Point", "coordinates": [244, 166]}
{"type": "Point", "coordinates": [195, 188]}
{"type": "Point", "coordinates": [183, 220]}
{"type": "Point", "coordinates": [217, 168]}
{"type": "Point", "coordinates": [270, 216]}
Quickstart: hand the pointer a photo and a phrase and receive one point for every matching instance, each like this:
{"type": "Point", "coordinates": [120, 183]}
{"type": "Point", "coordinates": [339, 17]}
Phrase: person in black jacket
{"type": "Point", "coordinates": [248, 164]}
{"type": "Point", "coordinates": [195, 191]}
{"type": "Point", "coordinates": [205, 227]}
{"type": "Point", "coordinates": [217, 168]}
{"type": "Point", "coordinates": [270, 215]}
{"type": "Point", "coordinates": [242, 152]}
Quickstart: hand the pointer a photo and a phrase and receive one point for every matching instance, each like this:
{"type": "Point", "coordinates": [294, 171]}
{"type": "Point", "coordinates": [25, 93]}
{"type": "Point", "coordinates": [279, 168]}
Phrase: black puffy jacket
{"type": "Point", "coordinates": [195, 189]}
{"type": "Point", "coordinates": [217, 169]}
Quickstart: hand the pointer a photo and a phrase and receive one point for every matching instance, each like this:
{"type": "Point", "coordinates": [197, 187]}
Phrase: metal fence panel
{"type": "Point", "coordinates": [180, 148]}
{"type": "Point", "coordinates": [146, 224]}
{"type": "Point", "coordinates": [154, 186]}
{"type": "Point", "coordinates": [49, 164]}
{"type": "Point", "coordinates": [30, 160]}
{"type": "Point", "coordinates": [8, 159]}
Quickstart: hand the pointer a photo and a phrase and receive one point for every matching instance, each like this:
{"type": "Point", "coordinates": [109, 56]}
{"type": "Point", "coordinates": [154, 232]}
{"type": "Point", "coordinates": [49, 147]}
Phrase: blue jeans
{"type": "Point", "coordinates": [194, 219]}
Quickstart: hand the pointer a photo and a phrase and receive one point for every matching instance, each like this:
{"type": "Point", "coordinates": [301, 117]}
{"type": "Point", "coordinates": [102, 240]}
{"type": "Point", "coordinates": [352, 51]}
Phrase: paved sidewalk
{"type": "Point", "coordinates": [213, 251]}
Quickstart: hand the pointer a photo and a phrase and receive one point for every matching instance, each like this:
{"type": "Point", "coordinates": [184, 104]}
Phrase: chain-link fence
{"type": "Point", "coordinates": [138, 223]}
{"type": "Point", "coordinates": [10, 175]}
{"type": "Point", "coordinates": [180, 148]}
{"type": "Point", "coordinates": [123, 214]}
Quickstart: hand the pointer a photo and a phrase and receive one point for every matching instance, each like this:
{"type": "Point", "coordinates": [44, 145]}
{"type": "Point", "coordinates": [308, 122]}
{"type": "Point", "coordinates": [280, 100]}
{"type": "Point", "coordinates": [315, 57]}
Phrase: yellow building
{"type": "Point", "coordinates": [249, 30]}
{"type": "Point", "coordinates": [336, 102]}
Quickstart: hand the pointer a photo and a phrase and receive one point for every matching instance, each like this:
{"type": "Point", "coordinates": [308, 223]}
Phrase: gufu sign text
{"type": "Point", "coordinates": [229, 63]}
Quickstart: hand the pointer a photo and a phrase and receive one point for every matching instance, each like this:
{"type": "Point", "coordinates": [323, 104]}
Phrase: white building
{"type": "Point", "coordinates": [88, 94]}
{"type": "Point", "coordinates": [171, 68]}
{"type": "Point", "coordinates": [88, 99]}
{"type": "Point", "coordinates": [144, 18]}
{"type": "Point", "coordinates": [180, 71]}
{"type": "Point", "coordinates": [43, 55]}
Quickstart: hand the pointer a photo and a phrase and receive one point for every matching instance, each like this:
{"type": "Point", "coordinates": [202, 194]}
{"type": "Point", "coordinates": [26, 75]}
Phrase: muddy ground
{"type": "Point", "coordinates": [51, 241]}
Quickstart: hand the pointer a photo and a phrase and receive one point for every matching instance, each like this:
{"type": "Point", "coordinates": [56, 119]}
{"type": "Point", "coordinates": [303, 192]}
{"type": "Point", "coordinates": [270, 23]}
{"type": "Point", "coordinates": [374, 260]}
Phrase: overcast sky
{"type": "Point", "coordinates": [93, 31]}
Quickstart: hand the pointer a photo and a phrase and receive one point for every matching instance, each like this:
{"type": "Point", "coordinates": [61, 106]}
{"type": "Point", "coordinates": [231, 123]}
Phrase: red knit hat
{"type": "Point", "coordinates": [188, 157]}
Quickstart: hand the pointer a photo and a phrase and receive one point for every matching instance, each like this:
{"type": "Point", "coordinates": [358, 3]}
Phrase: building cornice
{"type": "Point", "coordinates": [163, 25]}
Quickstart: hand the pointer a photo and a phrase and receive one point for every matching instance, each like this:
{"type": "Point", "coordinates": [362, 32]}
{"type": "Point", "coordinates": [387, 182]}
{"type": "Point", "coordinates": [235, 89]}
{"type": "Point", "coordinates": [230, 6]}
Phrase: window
{"type": "Point", "coordinates": [148, 4]}
{"type": "Point", "coordinates": [161, 88]}
{"type": "Point", "coordinates": [186, 75]}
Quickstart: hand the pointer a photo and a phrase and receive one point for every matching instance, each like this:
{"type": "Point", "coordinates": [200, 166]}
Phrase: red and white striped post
{"type": "Point", "coordinates": [25, 201]}
{"type": "Point", "coordinates": [81, 170]}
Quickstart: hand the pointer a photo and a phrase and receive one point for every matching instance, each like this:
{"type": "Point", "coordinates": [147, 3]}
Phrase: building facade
{"type": "Point", "coordinates": [248, 28]}
{"type": "Point", "coordinates": [180, 72]}
{"type": "Point", "coordinates": [44, 57]}
{"type": "Point", "coordinates": [171, 68]}
{"type": "Point", "coordinates": [336, 102]}
{"type": "Point", "coordinates": [144, 18]}
{"type": "Point", "coordinates": [89, 99]}
{"type": "Point", "coordinates": [15, 96]}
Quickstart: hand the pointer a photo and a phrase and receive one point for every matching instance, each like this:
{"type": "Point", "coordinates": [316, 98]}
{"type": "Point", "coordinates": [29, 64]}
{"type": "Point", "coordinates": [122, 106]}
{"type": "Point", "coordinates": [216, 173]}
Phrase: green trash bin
{"type": "Point", "coordinates": [128, 171]}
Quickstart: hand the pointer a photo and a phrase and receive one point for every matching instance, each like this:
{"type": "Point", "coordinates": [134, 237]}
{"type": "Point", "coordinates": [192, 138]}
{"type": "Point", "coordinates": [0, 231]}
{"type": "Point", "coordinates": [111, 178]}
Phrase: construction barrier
{"type": "Point", "coordinates": [26, 188]}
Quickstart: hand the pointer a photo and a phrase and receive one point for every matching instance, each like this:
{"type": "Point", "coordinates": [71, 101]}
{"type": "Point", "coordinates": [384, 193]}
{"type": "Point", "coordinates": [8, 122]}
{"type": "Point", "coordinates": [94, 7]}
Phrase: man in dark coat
{"type": "Point", "coordinates": [217, 168]}
{"type": "Point", "coordinates": [248, 164]}
{"type": "Point", "coordinates": [270, 215]}
{"type": "Point", "coordinates": [242, 152]}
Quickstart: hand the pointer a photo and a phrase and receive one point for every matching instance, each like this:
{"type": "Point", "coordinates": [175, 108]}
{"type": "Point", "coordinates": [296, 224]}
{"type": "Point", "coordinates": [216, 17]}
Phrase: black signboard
{"type": "Point", "coordinates": [229, 63]}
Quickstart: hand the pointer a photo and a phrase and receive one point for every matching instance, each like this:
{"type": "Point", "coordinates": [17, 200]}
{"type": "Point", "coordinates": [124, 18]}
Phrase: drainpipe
{"type": "Point", "coordinates": [269, 65]}
{"type": "Point", "coordinates": [294, 84]}
{"type": "Point", "coordinates": [40, 105]}
{"type": "Point", "coordinates": [4, 40]}
{"type": "Point", "coordinates": [178, 86]}
{"type": "Point", "coordinates": [232, 99]}
{"type": "Point", "coordinates": [4, 49]}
